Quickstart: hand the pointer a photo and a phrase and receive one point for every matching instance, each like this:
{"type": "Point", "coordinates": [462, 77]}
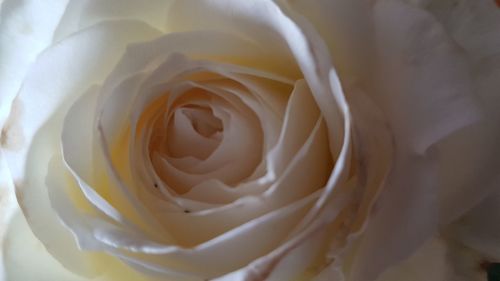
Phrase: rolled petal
{"type": "Point", "coordinates": [345, 27]}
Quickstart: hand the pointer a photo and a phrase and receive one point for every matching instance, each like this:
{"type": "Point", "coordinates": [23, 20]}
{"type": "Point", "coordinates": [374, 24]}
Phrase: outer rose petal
{"type": "Point", "coordinates": [433, 98]}
{"type": "Point", "coordinates": [479, 228]}
{"type": "Point", "coordinates": [81, 14]}
{"type": "Point", "coordinates": [428, 263]}
{"type": "Point", "coordinates": [24, 32]}
{"type": "Point", "coordinates": [475, 26]}
{"type": "Point", "coordinates": [26, 28]}
{"type": "Point", "coordinates": [27, 259]}
{"type": "Point", "coordinates": [345, 27]}
{"type": "Point", "coordinates": [7, 205]}
{"type": "Point", "coordinates": [92, 51]}
{"type": "Point", "coordinates": [437, 260]}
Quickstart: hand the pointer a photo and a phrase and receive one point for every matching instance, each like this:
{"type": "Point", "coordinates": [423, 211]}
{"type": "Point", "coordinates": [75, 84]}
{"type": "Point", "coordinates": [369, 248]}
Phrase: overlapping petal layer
{"type": "Point", "coordinates": [231, 147]}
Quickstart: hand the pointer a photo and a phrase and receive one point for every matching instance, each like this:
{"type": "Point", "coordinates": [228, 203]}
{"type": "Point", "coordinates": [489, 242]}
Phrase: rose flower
{"type": "Point", "coordinates": [249, 140]}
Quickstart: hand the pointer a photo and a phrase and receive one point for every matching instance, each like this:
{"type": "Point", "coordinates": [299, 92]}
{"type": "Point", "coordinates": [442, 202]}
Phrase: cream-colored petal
{"type": "Point", "coordinates": [307, 173]}
{"type": "Point", "coordinates": [27, 259]}
{"type": "Point", "coordinates": [80, 14]}
{"type": "Point", "coordinates": [300, 117]}
{"type": "Point", "coordinates": [346, 29]}
{"type": "Point", "coordinates": [262, 21]}
{"type": "Point", "coordinates": [73, 64]}
{"type": "Point", "coordinates": [8, 206]}
{"type": "Point", "coordinates": [168, 66]}
{"type": "Point", "coordinates": [78, 143]}
{"type": "Point", "coordinates": [26, 29]}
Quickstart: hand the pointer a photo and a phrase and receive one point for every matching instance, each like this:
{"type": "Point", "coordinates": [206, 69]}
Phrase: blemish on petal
{"type": "Point", "coordinates": [12, 137]}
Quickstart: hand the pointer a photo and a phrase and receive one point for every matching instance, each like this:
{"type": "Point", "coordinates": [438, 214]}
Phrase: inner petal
{"type": "Point", "coordinates": [206, 134]}
{"type": "Point", "coordinates": [203, 120]}
{"type": "Point", "coordinates": [193, 131]}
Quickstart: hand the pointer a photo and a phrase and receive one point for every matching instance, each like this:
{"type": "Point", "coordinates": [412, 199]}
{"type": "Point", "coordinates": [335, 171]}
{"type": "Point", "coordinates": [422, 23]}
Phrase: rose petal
{"type": "Point", "coordinates": [26, 258]}
{"type": "Point", "coordinates": [262, 267]}
{"type": "Point", "coordinates": [421, 189]}
{"type": "Point", "coordinates": [263, 21]}
{"type": "Point", "coordinates": [40, 97]}
{"type": "Point", "coordinates": [92, 233]}
{"type": "Point", "coordinates": [405, 214]}
{"type": "Point", "coordinates": [307, 173]}
{"type": "Point", "coordinates": [77, 146]}
{"type": "Point", "coordinates": [26, 28]}
{"type": "Point", "coordinates": [227, 70]}
{"type": "Point", "coordinates": [201, 259]}
{"type": "Point", "coordinates": [301, 261]}
{"type": "Point", "coordinates": [81, 14]}
{"type": "Point", "coordinates": [43, 96]}
{"type": "Point", "coordinates": [473, 25]}
{"type": "Point", "coordinates": [468, 159]}
{"type": "Point", "coordinates": [345, 27]}
{"type": "Point", "coordinates": [300, 117]}
{"type": "Point", "coordinates": [292, 137]}
{"type": "Point", "coordinates": [200, 44]}
{"type": "Point", "coordinates": [478, 229]}
{"type": "Point", "coordinates": [428, 91]}
{"type": "Point", "coordinates": [429, 262]}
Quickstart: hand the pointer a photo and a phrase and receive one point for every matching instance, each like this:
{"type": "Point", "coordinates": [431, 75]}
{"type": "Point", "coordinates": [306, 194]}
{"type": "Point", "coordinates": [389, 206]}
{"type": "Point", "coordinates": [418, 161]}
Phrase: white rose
{"type": "Point", "coordinates": [247, 140]}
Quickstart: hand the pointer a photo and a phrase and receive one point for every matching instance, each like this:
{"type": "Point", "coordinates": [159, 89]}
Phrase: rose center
{"type": "Point", "coordinates": [203, 120]}
{"type": "Point", "coordinates": [197, 135]}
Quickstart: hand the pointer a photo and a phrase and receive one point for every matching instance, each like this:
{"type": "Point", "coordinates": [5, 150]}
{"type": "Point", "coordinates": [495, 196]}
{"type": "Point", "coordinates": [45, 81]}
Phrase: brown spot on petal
{"type": "Point", "coordinates": [12, 137]}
